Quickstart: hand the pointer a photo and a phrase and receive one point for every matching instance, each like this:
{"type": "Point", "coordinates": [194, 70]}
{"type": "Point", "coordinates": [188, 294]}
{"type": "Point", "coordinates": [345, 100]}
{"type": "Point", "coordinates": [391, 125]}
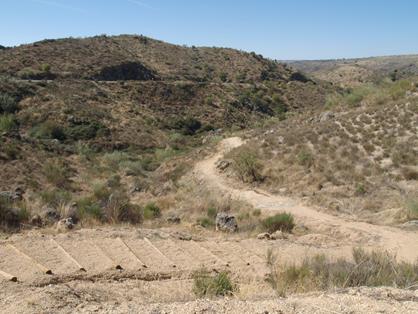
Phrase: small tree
{"type": "Point", "coordinates": [247, 166]}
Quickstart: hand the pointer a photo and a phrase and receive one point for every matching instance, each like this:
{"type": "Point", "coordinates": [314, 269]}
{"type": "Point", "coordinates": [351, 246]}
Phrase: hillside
{"type": "Point", "coordinates": [358, 157]}
{"type": "Point", "coordinates": [348, 72]}
{"type": "Point", "coordinates": [130, 57]}
{"type": "Point", "coordinates": [79, 115]}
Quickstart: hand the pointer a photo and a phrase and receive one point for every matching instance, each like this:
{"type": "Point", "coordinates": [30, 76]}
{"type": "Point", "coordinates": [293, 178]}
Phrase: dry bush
{"type": "Point", "coordinates": [246, 164]}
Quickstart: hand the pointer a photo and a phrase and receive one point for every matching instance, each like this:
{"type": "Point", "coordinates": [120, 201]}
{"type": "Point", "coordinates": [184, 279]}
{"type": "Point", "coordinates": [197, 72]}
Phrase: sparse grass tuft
{"type": "Point", "coordinates": [207, 285]}
{"type": "Point", "coordinates": [283, 222]}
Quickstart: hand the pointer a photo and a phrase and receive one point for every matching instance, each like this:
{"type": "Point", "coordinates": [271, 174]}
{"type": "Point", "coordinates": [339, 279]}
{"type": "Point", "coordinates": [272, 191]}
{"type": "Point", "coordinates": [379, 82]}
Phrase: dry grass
{"type": "Point", "coordinates": [370, 269]}
{"type": "Point", "coordinates": [208, 285]}
{"type": "Point", "coordinates": [350, 159]}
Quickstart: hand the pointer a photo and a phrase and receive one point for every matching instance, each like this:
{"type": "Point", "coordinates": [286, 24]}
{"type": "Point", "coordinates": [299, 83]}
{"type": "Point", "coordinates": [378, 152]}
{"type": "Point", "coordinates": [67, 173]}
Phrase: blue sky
{"type": "Point", "coordinates": [279, 29]}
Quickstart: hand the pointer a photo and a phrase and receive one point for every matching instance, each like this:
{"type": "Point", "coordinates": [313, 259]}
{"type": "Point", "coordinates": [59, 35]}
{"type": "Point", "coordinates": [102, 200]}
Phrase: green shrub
{"type": "Point", "coordinates": [45, 67]}
{"type": "Point", "coordinates": [12, 219]}
{"type": "Point", "coordinates": [412, 208]}
{"type": "Point", "coordinates": [48, 130]}
{"type": "Point", "coordinates": [247, 166]}
{"type": "Point", "coordinates": [207, 285]}
{"type": "Point", "coordinates": [283, 222]}
{"type": "Point", "coordinates": [164, 154]}
{"type": "Point", "coordinates": [57, 173]}
{"type": "Point", "coordinates": [7, 122]}
{"type": "Point", "coordinates": [132, 168]}
{"type": "Point", "coordinates": [130, 213]}
{"type": "Point", "coordinates": [205, 222]}
{"type": "Point", "coordinates": [211, 212]}
{"type": "Point", "coordinates": [353, 99]}
{"type": "Point", "coordinates": [332, 100]}
{"type": "Point", "coordinates": [151, 211]}
{"type": "Point", "coordinates": [101, 192]}
{"type": "Point", "coordinates": [305, 158]}
{"type": "Point", "coordinates": [8, 104]}
{"type": "Point", "coordinates": [360, 189]}
{"type": "Point", "coordinates": [187, 126]}
{"type": "Point", "coordinates": [115, 159]}
{"type": "Point", "coordinates": [87, 207]}
{"type": "Point", "coordinates": [279, 105]}
{"type": "Point", "coordinates": [55, 197]}
{"type": "Point", "coordinates": [113, 182]}
{"type": "Point", "coordinates": [223, 77]}
{"type": "Point", "coordinates": [119, 209]}
{"type": "Point", "coordinates": [399, 88]}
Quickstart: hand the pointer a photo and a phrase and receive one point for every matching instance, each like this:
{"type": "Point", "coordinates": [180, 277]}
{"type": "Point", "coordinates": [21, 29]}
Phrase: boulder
{"type": "Point", "coordinates": [263, 236]}
{"type": "Point", "coordinates": [72, 213]}
{"type": "Point", "coordinates": [36, 220]}
{"type": "Point", "coordinates": [182, 236]}
{"type": "Point", "coordinates": [65, 225]}
{"type": "Point", "coordinates": [174, 219]}
{"type": "Point", "coordinates": [278, 235]}
{"type": "Point", "coordinates": [49, 215]}
{"type": "Point", "coordinates": [326, 116]}
{"type": "Point", "coordinates": [223, 164]}
{"type": "Point", "coordinates": [12, 196]}
{"type": "Point", "coordinates": [226, 222]}
{"type": "Point", "coordinates": [412, 224]}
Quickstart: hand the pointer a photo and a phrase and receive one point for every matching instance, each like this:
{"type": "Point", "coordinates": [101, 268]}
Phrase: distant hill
{"type": "Point", "coordinates": [354, 71]}
{"type": "Point", "coordinates": [136, 58]}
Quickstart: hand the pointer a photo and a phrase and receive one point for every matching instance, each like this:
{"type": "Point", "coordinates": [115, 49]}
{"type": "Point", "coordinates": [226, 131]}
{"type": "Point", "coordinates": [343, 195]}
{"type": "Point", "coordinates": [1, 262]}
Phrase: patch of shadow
{"type": "Point", "coordinates": [126, 71]}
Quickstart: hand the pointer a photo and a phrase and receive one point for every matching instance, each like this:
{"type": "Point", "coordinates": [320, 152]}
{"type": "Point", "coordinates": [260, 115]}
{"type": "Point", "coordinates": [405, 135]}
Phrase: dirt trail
{"type": "Point", "coordinates": [400, 242]}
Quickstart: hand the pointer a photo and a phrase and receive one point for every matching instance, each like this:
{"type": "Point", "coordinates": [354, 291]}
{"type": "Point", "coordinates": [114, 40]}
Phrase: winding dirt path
{"type": "Point", "coordinates": [397, 241]}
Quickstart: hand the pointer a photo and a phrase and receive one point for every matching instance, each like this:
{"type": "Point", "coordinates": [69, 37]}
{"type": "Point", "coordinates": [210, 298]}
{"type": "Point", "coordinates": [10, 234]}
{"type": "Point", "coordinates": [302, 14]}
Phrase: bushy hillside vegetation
{"type": "Point", "coordinates": [101, 121]}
